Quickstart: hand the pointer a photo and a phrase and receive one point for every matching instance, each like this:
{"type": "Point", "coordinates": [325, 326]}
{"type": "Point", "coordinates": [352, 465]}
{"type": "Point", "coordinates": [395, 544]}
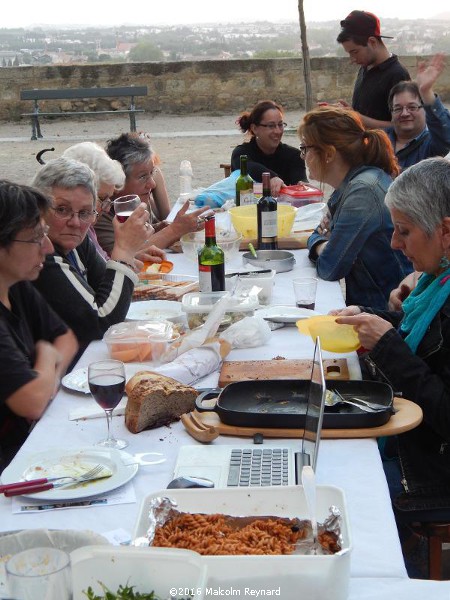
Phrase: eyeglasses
{"type": "Point", "coordinates": [304, 150]}
{"type": "Point", "coordinates": [272, 126]}
{"type": "Point", "coordinates": [105, 204]}
{"type": "Point", "coordinates": [144, 178]}
{"type": "Point", "coordinates": [411, 108]}
{"type": "Point", "coordinates": [39, 239]}
{"type": "Point", "coordinates": [66, 213]}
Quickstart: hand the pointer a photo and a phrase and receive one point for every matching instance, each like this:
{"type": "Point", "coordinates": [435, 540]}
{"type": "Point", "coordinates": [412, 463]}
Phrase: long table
{"type": "Point", "coordinates": [353, 465]}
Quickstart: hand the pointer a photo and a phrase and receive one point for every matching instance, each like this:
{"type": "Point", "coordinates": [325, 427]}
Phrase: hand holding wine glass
{"type": "Point", "coordinates": [107, 384]}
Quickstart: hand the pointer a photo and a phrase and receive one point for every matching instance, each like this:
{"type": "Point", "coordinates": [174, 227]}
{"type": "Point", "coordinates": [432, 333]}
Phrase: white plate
{"type": "Point", "coordinates": [285, 314]}
{"type": "Point", "coordinates": [77, 380]}
{"type": "Point", "coordinates": [151, 310]}
{"type": "Point", "coordinates": [57, 462]}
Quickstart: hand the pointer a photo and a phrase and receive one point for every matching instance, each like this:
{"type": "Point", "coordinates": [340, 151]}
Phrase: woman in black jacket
{"type": "Point", "coordinates": [410, 349]}
{"type": "Point", "coordinates": [265, 150]}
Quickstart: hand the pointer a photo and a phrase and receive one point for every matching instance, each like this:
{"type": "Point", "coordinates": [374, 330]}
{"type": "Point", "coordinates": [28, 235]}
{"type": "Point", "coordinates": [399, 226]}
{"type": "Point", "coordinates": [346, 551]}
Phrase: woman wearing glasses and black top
{"type": "Point", "coordinates": [87, 292]}
{"type": "Point", "coordinates": [36, 346]}
{"type": "Point", "coordinates": [265, 150]}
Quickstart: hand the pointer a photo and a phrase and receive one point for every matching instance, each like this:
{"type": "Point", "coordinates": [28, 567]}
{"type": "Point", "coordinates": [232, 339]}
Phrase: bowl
{"type": "Point", "coordinates": [229, 241]}
{"type": "Point", "coordinates": [278, 260]}
{"type": "Point", "coordinates": [334, 337]}
{"type": "Point", "coordinates": [244, 220]}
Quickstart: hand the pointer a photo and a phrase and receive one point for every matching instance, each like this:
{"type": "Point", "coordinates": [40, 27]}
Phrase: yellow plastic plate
{"type": "Point", "coordinates": [333, 336]}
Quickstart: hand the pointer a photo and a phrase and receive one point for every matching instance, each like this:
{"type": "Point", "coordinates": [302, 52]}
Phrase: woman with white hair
{"type": "Point", "coordinates": [87, 292]}
{"type": "Point", "coordinates": [109, 177]}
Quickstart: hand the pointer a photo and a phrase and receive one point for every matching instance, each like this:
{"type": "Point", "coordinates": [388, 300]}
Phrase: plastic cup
{"type": "Point", "coordinates": [125, 205]}
{"type": "Point", "coordinates": [305, 292]}
{"type": "Point", "coordinates": [39, 573]}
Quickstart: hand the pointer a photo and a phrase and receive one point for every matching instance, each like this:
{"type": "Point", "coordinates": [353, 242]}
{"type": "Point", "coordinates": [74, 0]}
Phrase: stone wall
{"type": "Point", "coordinates": [212, 87]}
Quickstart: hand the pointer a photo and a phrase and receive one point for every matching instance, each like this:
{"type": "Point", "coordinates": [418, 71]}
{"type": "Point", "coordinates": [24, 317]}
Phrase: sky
{"type": "Point", "coordinates": [174, 12]}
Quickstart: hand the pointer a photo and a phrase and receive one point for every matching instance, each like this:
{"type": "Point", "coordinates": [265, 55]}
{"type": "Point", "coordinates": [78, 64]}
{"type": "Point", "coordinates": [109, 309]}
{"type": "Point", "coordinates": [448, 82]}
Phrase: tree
{"type": "Point", "coordinates": [145, 51]}
{"type": "Point", "coordinates": [306, 60]}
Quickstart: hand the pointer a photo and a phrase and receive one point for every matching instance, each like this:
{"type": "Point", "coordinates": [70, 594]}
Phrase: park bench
{"type": "Point", "coordinates": [81, 93]}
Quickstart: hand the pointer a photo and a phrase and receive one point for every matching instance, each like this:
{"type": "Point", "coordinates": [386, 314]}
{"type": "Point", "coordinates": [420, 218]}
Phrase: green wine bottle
{"type": "Point", "coordinates": [244, 185]}
{"type": "Point", "coordinates": [267, 217]}
{"type": "Point", "coordinates": [211, 261]}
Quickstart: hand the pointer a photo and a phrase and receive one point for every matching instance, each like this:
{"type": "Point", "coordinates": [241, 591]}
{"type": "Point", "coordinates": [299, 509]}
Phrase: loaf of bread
{"type": "Point", "coordinates": [155, 400]}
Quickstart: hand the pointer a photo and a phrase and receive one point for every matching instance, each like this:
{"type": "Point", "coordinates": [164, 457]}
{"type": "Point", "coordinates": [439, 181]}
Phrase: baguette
{"type": "Point", "coordinates": [155, 400]}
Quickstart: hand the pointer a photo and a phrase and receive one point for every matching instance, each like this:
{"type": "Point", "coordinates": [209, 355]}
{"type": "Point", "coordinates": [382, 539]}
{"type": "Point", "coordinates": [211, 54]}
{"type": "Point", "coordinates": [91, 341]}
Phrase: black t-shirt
{"type": "Point", "coordinates": [285, 162]}
{"type": "Point", "coordinates": [372, 88]}
{"type": "Point", "coordinates": [29, 320]}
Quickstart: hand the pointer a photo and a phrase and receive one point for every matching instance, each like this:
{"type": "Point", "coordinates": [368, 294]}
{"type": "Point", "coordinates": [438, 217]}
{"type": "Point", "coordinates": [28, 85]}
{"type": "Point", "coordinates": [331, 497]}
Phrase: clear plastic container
{"type": "Point", "coordinates": [162, 570]}
{"type": "Point", "coordinates": [264, 279]}
{"type": "Point", "coordinates": [139, 341]}
{"type": "Point", "coordinates": [300, 195]}
{"type": "Point", "coordinates": [198, 305]}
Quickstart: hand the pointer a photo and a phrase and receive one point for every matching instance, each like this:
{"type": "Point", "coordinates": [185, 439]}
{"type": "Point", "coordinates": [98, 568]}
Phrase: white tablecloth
{"type": "Point", "coordinates": [353, 465]}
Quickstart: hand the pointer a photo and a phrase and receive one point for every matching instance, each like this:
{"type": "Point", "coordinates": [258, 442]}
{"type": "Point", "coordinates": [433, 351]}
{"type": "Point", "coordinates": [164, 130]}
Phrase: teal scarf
{"type": "Point", "coordinates": [422, 305]}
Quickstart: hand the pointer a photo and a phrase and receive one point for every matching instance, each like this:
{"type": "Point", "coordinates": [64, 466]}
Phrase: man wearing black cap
{"type": "Point", "coordinates": [379, 69]}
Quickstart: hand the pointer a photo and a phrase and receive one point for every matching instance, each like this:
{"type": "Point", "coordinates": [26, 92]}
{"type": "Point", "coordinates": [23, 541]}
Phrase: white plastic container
{"type": "Point", "coordinates": [296, 576]}
{"type": "Point", "coordinates": [148, 569]}
{"type": "Point", "coordinates": [264, 280]}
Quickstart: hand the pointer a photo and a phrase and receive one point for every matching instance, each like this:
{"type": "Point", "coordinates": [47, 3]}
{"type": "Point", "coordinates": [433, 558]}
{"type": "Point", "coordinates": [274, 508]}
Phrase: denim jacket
{"type": "Point", "coordinates": [423, 378]}
{"type": "Point", "coordinates": [359, 246]}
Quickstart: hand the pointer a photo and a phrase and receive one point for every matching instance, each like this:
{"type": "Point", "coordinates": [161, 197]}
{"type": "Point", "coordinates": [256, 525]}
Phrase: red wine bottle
{"type": "Point", "coordinates": [211, 261]}
{"type": "Point", "coordinates": [267, 217]}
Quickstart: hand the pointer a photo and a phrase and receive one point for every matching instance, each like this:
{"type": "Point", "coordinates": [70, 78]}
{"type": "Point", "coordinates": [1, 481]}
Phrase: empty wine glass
{"type": "Point", "coordinates": [107, 383]}
{"type": "Point", "coordinates": [125, 205]}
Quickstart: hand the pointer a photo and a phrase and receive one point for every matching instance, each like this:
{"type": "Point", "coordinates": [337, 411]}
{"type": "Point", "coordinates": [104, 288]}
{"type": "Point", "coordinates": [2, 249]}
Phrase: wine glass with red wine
{"type": "Point", "coordinates": [107, 384]}
{"type": "Point", "coordinates": [125, 205]}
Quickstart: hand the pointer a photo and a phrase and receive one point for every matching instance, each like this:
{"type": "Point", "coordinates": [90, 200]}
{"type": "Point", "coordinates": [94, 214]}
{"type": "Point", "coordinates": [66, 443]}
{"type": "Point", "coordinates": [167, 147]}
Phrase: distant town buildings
{"type": "Point", "coordinates": [70, 45]}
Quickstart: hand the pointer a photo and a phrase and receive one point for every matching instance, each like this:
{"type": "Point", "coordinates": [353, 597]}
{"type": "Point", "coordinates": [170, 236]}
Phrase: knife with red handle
{"type": "Point", "coordinates": [16, 484]}
{"type": "Point", "coordinates": [29, 489]}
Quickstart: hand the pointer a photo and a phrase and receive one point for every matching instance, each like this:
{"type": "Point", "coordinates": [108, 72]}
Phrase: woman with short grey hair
{"type": "Point", "coordinates": [410, 349]}
{"type": "Point", "coordinates": [144, 178]}
{"type": "Point", "coordinates": [87, 292]}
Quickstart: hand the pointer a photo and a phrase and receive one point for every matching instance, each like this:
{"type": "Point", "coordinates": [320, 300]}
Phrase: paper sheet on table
{"type": "Point", "coordinates": [123, 495]}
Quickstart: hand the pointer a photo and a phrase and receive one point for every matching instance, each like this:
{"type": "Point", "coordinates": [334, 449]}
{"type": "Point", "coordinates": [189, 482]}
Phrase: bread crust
{"type": "Point", "coordinates": [155, 400]}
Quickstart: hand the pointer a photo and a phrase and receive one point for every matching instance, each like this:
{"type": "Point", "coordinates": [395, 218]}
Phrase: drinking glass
{"type": "Point", "coordinates": [39, 573]}
{"type": "Point", "coordinates": [107, 383]}
{"type": "Point", "coordinates": [125, 205]}
{"type": "Point", "coordinates": [305, 292]}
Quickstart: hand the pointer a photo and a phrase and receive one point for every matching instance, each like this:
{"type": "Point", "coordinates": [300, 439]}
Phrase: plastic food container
{"type": "Point", "coordinates": [147, 569]}
{"type": "Point", "coordinates": [264, 279]}
{"type": "Point", "coordinates": [244, 220]}
{"type": "Point", "coordinates": [296, 576]}
{"type": "Point", "coordinates": [198, 305]}
{"type": "Point", "coordinates": [300, 195]}
{"type": "Point", "coordinates": [141, 341]}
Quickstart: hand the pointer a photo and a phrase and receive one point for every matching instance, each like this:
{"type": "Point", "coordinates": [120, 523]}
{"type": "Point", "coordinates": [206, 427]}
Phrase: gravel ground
{"type": "Point", "coordinates": [206, 141]}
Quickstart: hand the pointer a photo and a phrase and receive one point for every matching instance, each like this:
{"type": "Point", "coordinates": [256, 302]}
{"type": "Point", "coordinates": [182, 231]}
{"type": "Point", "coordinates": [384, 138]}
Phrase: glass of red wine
{"type": "Point", "coordinates": [107, 383]}
{"type": "Point", "coordinates": [125, 205]}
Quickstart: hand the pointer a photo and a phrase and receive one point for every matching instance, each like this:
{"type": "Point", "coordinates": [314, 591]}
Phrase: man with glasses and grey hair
{"type": "Point", "coordinates": [420, 122]}
{"type": "Point", "coordinates": [87, 292]}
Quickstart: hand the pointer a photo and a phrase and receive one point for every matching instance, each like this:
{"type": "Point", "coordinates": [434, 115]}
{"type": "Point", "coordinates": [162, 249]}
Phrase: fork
{"type": "Point", "coordinates": [362, 404]}
{"type": "Point", "coordinates": [41, 485]}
